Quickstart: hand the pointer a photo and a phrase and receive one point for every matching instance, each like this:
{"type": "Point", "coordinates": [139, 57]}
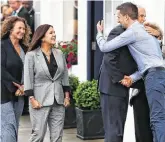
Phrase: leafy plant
{"type": "Point", "coordinates": [87, 96]}
{"type": "Point", "coordinates": [74, 82]}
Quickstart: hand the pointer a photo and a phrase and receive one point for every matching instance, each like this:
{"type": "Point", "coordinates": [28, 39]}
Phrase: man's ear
{"type": "Point", "coordinates": [127, 17]}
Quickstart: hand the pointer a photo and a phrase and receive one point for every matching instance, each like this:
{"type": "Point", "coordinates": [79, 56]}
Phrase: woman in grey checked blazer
{"type": "Point", "coordinates": [47, 85]}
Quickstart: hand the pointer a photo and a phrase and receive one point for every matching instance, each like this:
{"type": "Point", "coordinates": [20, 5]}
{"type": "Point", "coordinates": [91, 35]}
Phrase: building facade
{"type": "Point", "coordinates": [58, 13]}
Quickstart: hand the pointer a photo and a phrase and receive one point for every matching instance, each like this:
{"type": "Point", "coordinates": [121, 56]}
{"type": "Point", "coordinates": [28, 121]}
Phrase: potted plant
{"type": "Point", "coordinates": [70, 114]}
{"type": "Point", "coordinates": [88, 112]}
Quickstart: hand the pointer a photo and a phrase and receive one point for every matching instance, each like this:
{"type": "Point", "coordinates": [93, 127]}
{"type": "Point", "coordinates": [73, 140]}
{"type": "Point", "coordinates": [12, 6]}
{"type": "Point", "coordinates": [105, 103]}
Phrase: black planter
{"type": "Point", "coordinates": [70, 116]}
{"type": "Point", "coordinates": [89, 124]}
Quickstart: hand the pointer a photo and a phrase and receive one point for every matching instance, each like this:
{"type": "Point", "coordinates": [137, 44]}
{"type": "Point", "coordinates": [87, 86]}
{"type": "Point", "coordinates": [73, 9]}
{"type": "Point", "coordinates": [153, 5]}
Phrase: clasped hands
{"type": "Point", "coordinates": [126, 81]}
{"type": "Point", "coordinates": [20, 90]}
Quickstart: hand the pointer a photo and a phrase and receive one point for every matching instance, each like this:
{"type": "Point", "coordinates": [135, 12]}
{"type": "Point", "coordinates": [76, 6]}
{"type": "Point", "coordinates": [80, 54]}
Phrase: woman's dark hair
{"type": "Point", "coordinates": [8, 25]}
{"type": "Point", "coordinates": [129, 9]}
{"type": "Point", "coordinates": [38, 35]}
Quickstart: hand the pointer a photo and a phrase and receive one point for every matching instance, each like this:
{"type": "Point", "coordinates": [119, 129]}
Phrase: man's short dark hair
{"type": "Point", "coordinates": [129, 9]}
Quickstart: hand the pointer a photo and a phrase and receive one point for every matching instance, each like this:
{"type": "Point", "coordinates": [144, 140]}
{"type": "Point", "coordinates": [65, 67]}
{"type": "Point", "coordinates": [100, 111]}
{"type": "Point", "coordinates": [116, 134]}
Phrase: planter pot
{"type": "Point", "coordinates": [70, 116]}
{"type": "Point", "coordinates": [89, 124]}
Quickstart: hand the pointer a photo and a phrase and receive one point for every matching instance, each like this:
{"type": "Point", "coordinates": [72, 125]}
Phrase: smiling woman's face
{"type": "Point", "coordinates": [50, 36]}
{"type": "Point", "coordinates": [18, 30]}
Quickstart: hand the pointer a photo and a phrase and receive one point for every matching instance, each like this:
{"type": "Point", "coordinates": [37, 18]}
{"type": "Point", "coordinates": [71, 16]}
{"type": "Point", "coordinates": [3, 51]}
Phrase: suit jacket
{"type": "Point", "coordinates": [38, 78]}
{"type": "Point", "coordinates": [11, 69]}
{"type": "Point", "coordinates": [32, 18]}
{"type": "Point", "coordinates": [23, 13]}
{"type": "Point", "coordinates": [114, 66]}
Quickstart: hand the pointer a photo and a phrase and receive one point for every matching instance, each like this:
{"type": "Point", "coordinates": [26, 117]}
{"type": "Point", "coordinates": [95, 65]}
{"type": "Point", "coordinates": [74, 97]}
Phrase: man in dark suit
{"type": "Point", "coordinates": [19, 10]}
{"type": "Point", "coordinates": [29, 6]}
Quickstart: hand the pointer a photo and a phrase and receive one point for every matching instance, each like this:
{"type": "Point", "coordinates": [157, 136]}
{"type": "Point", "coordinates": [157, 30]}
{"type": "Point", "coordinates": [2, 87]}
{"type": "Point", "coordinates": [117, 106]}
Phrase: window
{"type": "Point", "coordinates": [109, 15]}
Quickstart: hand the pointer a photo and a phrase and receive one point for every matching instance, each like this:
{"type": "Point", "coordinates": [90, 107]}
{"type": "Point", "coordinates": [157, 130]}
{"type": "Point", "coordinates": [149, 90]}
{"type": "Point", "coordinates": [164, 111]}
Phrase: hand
{"type": "Point", "coordinates": [20, 87]}
{"type": "Point", "coordinates": [147, 24]}
{"type": "Point", "coordinates": [18, 93]}
{"type": "Point", "coordinates": [100, 26]}
{"type": "Point", "coordinates": [35, 104]}
{"type": "Point", "coordinates": [127, 81]}
{"type": "Point", "coordinates": [66, 102]}
{"type": "Point", "coordinates": [152, 31]}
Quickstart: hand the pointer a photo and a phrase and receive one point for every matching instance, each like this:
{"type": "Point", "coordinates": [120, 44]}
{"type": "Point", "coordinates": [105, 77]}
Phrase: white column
{"type": "Point", "coordinates": [80, 70]}
{"type": "Point", "coordinates": [52, 13]}
{"type": "Point", "coordinates": [36, 6]}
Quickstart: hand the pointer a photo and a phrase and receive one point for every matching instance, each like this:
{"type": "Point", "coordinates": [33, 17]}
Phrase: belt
{"type": "Point", "coordinates": [152, 69]}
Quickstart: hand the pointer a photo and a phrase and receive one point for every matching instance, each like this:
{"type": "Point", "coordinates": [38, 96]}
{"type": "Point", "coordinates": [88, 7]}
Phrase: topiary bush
{"type": "Point", "coordinates": [86, 96]}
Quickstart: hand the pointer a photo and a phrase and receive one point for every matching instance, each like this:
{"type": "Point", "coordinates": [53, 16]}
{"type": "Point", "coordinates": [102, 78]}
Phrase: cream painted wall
{"type": "Point", "coordinates": [68, 15]}
{"type": "Point", "coordinates": [80, 70]}
{"type": "Point", "coordinates": [51, 12]}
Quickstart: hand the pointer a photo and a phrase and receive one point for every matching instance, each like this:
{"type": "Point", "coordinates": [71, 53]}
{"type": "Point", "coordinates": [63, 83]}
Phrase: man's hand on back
{"type": "Point", "coordinates": [153, 29]}
{"type": "Point", "coordinates": [100, 26]}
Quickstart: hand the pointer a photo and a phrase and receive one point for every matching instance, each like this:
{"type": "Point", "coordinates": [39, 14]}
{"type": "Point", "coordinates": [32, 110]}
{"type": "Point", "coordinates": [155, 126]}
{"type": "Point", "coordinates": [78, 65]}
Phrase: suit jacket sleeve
{"type": "Point", "coordinates": [29, 74]}
{"type": "Point", "coordinates": [65, 78]}
{"type": "Point", "coordinates": [6, 77]}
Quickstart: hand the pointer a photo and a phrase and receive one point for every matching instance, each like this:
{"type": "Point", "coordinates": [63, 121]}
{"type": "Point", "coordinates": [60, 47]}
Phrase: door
{"type": "Point", "coordinates": [95, 13]}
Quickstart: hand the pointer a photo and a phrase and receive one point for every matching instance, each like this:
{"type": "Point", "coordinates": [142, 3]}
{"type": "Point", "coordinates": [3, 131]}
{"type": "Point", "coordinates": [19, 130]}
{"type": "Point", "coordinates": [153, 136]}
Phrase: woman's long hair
{"type": "Point", "coordinates": [38, 35]}
{"type": "Point", "coordinates": [8, 25]}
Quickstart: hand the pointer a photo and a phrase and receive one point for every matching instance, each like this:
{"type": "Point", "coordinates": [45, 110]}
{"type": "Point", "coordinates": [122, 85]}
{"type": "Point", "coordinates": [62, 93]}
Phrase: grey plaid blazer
{"type": "Point", "coordinates": [38, 78]}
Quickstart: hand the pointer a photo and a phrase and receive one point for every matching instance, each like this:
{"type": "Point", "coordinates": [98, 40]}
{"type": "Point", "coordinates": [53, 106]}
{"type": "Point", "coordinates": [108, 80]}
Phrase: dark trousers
{"type": "Point", "coordinates": [114, 111]}
{"type": "Point", "coordinates": [143, 131]}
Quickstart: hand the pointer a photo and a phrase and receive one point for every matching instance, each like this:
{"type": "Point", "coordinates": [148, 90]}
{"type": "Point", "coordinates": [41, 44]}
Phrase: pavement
{"type": "Point", "coordinates": [68, 136]}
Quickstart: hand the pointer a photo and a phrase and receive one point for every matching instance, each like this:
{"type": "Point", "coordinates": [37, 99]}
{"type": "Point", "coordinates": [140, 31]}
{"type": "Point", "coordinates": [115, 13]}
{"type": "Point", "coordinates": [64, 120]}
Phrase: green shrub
{"type": "Point", "coordinates": [74, 82]}
{"type": "Point", "coordinates": [87, 96]}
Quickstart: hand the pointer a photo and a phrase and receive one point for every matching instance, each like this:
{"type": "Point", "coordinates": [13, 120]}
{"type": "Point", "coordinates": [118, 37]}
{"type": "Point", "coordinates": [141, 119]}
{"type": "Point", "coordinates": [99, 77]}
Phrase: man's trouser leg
{"type": "Point", "coordinates": [155, 91]}
{"type": "Point", "coordinates": [114, 111]}
{"type": "Point", "coordinates": [143, 131]}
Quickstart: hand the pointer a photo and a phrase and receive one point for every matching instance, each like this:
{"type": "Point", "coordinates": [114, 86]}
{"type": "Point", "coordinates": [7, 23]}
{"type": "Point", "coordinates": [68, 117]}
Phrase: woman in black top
{"type": "Point", "coordinates": [14, 40]}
